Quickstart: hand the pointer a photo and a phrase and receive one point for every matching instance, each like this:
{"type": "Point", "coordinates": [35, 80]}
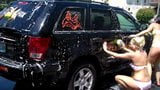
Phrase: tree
{"type": "Point", "coordinates": [144, 15]}
{"type": "Point", "coordinates": [4, 3]}
{"type": "Point", "coordinates": [7, 1]}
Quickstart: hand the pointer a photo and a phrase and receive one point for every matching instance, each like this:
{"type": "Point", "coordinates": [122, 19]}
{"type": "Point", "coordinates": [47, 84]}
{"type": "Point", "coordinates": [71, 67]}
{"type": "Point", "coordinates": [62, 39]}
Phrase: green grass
{"type": "Point", "coordinates": [2, 6]}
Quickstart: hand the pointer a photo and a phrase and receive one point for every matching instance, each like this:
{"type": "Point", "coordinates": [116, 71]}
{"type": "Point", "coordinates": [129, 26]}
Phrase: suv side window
{"type": "Point", "coordinates": [101, 19]}
{"type": "Point", "coordinates": [126, 23]}
{"type": "Point", "coordinates": [72, 19]}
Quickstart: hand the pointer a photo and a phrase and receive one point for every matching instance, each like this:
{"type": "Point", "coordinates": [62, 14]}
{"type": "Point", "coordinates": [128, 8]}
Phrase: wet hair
{"type": "Point", "coordinates": [138, 41]}
{"type": "Point", "coordinates": [157, 20]}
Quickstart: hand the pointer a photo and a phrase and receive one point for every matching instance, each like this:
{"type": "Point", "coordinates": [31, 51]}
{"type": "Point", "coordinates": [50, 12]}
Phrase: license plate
{"type": "Point", "coordinates": [2, 47]}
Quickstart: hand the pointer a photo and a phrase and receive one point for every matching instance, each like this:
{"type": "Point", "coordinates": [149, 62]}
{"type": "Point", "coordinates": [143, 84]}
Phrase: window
{"type": "Point", "coordinates": [72, 19]}
{"type": "Point", "coordinates": [146, 2]}
{"type": "Point", "coordinates": [126, 23]}
{"type": "Point", "coordinates": [101, 19]}
{"type": "Point", "coordinates": [130, 2]}
{"type": "Point", "coordinates": [138, 2]}
{"type": "Point", "coordinates": [133, 2]}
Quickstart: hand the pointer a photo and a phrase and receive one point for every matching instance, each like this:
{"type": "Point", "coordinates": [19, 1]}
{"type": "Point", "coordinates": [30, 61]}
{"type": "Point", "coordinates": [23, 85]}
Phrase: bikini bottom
{"type": "Point", "coordinates": [143, 85]}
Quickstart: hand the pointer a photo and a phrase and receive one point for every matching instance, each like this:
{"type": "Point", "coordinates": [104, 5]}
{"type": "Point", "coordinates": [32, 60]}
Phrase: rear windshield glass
{"type": "Point", "coordinates": [21, 15]}
{"type": "Point", "coordinates": [45, 0]}
{"type": "Point", "coordinates": [38, 0]}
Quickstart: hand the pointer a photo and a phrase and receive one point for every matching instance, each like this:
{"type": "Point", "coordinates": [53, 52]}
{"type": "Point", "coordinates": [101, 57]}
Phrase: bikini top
{"type": "Point", "coordinates": [137, 68]}
{"type": "Point", "coordinates": [156, 32]}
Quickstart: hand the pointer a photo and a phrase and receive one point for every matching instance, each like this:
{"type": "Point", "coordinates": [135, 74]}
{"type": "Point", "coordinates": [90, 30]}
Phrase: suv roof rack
{"type": "Point", "coordinates": [89, 1]}
{"type": "Point", "coordinates": [99, 3]}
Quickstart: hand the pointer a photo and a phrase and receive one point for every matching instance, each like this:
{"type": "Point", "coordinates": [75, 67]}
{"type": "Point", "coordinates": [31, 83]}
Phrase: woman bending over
{"type": "Point", "coordinates": [141, 77]}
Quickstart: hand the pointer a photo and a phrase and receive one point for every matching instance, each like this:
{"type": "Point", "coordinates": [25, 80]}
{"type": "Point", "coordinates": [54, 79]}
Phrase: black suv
{"type": "Point", "coordinates": [61, 41]}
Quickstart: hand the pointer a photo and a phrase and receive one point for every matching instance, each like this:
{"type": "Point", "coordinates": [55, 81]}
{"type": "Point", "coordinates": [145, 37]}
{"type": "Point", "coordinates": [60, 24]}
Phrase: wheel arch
{"type": "Point", "coordinates": [87, 59]}
{"type": "Point", "coordinates": [83, 60]}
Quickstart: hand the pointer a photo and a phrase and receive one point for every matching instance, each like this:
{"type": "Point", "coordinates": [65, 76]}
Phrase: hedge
{"type": "Point", "coordinates": [2, 6]}
{"type": "Point", "coordinates": [144, 15]}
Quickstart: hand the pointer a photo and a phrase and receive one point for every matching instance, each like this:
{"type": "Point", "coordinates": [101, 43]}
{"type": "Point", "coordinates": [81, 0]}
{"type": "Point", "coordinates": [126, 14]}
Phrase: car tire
{"type": "Point", "coordinates": [82, 77]}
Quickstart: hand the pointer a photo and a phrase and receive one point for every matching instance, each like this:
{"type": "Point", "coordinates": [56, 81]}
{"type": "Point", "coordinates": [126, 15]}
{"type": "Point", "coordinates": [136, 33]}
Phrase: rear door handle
{"type": "Point", "coordinates": [96, 44]}
{"type": "Point", "coordinates": [97, 39]}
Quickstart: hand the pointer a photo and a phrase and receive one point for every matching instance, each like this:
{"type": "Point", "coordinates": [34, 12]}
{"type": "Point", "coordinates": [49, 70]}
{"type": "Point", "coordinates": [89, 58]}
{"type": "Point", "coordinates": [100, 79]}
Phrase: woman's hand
{"type": "Point", "coordinates": [105, 46]}
{"type": "Point", "coordinates": [120, 43]}
{"type": "Point", "coordinates": [132, 36]}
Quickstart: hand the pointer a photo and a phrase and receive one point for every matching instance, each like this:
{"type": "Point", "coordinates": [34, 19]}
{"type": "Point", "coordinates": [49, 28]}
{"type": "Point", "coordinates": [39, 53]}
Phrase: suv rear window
{"type": "Point", "coordinates": [72, 19]}
{"type": "Point", "coordinates": [21, 15]}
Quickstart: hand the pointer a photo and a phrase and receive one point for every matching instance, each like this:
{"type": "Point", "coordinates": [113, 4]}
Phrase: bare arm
{"type": "Point", "coordinates": [117, 55]}
{"type": "Point", "coordinates": [128, 50]}
{"type": "Point", "coordinates": [149, 29]}
{"type": "Point", "coordinates": [121, 44]}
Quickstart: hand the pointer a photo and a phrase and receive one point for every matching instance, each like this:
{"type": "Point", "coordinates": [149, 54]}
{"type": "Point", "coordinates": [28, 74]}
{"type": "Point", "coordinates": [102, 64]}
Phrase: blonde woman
{"type": "Point", "coordinates": [154, 53]}
{"type": "Point", "coordinates": [141, 77]}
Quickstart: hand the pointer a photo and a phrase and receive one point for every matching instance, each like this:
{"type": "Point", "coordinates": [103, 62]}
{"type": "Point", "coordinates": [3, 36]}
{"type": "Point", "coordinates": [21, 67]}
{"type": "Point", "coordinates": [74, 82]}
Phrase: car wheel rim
{"type": "Point", "coordinates": [83, 79]}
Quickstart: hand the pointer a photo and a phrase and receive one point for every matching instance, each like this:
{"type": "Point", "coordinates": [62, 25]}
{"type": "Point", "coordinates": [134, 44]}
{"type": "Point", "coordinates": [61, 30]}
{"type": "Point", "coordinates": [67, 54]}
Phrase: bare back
{"type": "Point", "coordinates": [156, 26]}
{"type": "Point", "coordinates": [140, 59]}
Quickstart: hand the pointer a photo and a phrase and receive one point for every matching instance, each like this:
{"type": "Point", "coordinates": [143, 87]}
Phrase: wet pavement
{"type": "Point", "coordinates": [6, 84]}
{"type": "Point", "coordinates": [104, 84]}
{"type": "Point", "coordinates": [9, 85]}
{"type": "Point", "coordinates": [154, 87]}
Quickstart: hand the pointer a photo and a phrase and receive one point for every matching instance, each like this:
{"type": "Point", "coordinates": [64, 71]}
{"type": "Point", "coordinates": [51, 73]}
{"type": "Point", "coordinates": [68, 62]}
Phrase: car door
{"type": "Point", "coordinates": [128, 25]}
{"type": "Point", "coordinates": [103, 27]}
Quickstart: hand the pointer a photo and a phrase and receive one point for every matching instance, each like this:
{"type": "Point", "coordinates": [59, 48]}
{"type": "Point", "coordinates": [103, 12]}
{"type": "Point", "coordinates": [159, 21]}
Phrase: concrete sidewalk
{"type": "Point", "coordinates": [154, 87]}
{"type": "Point", "coordinates": [116, 87]}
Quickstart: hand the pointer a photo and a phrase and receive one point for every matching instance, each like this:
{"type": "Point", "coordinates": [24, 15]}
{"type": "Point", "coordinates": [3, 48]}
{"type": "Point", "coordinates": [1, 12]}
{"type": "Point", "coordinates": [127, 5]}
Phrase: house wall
{"type": "Point", "coordinates": [131, 6]}
{"type": "Point", "coordinates": [156, 4]}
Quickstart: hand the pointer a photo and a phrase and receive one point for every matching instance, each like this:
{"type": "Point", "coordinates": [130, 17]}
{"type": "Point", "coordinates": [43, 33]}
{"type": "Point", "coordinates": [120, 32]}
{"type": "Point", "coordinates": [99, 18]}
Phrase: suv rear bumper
{"type": "Point", "coordinates": [35, 71]}
{"type": "Point", "coordinates": [10, 63]}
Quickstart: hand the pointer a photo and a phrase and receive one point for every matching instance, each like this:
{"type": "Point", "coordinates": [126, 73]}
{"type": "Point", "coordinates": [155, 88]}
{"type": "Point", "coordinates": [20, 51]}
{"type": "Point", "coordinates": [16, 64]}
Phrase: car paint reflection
{"type": "Point", "coordinates": [6, 84]}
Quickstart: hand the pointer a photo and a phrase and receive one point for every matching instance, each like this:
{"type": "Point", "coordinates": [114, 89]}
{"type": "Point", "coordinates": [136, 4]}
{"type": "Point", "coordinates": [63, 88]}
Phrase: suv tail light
{"type": "Point", "coordinates": [38, 47]}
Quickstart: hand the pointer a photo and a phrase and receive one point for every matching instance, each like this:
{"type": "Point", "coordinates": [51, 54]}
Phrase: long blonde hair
{"type": "Point", "coordinates": [138, 41]}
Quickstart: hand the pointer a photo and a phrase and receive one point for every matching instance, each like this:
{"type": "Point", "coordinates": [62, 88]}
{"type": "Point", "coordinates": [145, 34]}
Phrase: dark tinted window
{"type": "Point", "coordinates": [101, 19]}
{"type": "Point", "coordinates": [22, 15]}
{"type": "Point", "coordinates": [126, 22]}
{"type": "Point", "coordinates": [72, 19]}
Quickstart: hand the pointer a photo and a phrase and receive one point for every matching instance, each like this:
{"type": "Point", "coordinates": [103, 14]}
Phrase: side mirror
{"type": "Point", "coordinates": [143, 26]}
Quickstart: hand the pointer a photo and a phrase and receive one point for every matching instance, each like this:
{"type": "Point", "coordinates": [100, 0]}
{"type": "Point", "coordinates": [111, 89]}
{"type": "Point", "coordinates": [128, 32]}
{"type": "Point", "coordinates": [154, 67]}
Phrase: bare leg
{"type": "Point", "coordinates": [154, 54]}
{"type": "Point", "coordinates": [157, 71]}
{"type": "Point", "coordinates": [158, 78]}
{"type": "Point", "coordinates": [154, 58]}
{"type": "Point", "coordinates": [127, 82]}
